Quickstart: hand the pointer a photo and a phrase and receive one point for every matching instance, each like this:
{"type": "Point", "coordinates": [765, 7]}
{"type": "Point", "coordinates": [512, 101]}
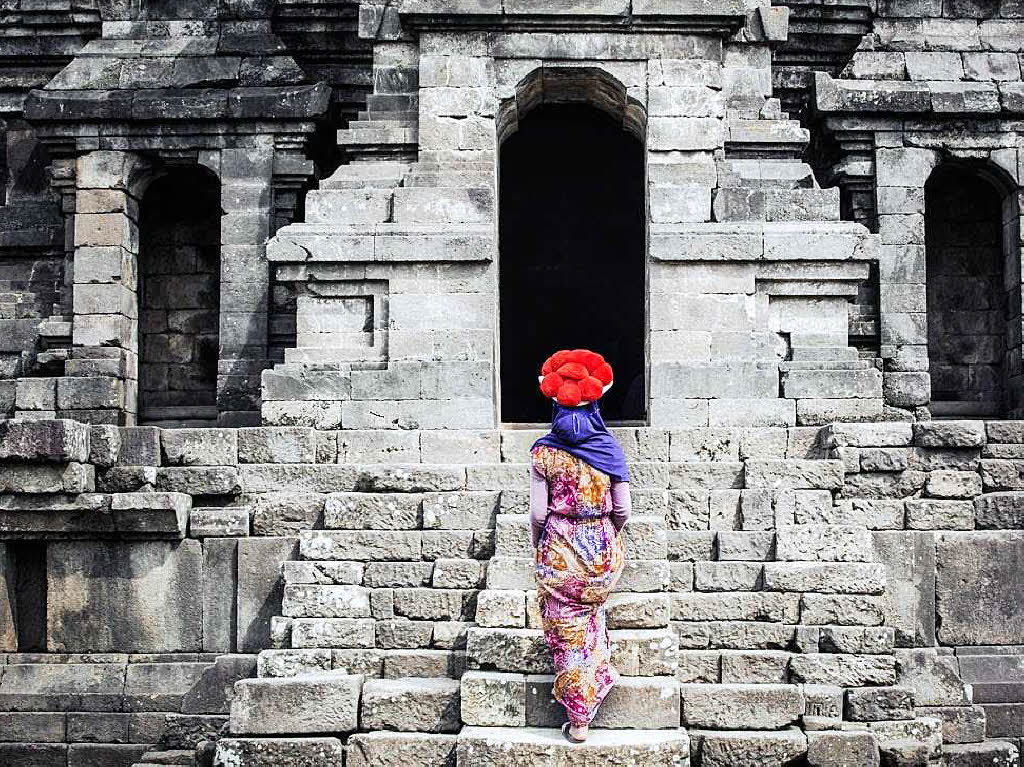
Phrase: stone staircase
{"type": "Point", "coordinates": [748, 627]}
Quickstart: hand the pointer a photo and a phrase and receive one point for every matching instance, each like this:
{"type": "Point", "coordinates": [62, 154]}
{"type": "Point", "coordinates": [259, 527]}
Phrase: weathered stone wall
{"type": "Point", "coordinates": [401, 554]}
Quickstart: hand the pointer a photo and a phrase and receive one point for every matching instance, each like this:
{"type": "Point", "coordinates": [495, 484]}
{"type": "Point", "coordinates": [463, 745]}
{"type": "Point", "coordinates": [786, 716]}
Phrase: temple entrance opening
{"type": "Point", "coordinates": [572, 246]}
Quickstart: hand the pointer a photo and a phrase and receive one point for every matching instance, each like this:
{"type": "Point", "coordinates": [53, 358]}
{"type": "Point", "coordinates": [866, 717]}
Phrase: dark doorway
{"type": "Point", "coordinates": [572, 246]}
{"type": "Point", "coordinates": [179, 297]}
{"type": "Point", "coordinates": [966, 294]}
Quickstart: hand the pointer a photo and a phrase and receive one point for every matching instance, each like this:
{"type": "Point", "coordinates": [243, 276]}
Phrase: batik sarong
{"type": "Point", "coordinates": [579, 561]}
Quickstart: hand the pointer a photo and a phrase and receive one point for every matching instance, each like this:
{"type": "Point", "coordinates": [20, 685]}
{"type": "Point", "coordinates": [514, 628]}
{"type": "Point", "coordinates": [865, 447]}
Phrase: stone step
{"type": "Point", "coordinates": [462, 205]}
{"type": "Point", "coordinates": [774, 204]}
{"type": "Point", "coordinates": [174, 756]}
{"type": "Point", "coordinates": [643, 538]}
{"type": "Point", "coordinates": [991, 753]}
{"type": "Point", "coordinates": [301, 705]}
{"type": "Point", "coordinates": [635, 652]}
{"type": "Point", "coordinates": [275, 752]}
{"type": "Point", "coordinates": [513, 608]}
{"type": "Point", "coordinates": [492, 699]}
{"type": "Point", "coordinates": [451, 178]}
{"type": "Point", "coordinates": [757, 748]}
{"type": "Point", "coordinates": [741, 706]}
{"type": "Point", "coordinates": [394, 135]}
{"type": "Point", "coordinates": [823, 353]}
{"type": "Point", "coordinates": [411, 705]}
{"type": "Point", "coordinates": [346, 207]}
{"type": "Point", "coordinates": [638, 575]}
{"type": "Point", "coordinates": [520, 746]}
{"type": "Point", "coordinates": [391, 101]}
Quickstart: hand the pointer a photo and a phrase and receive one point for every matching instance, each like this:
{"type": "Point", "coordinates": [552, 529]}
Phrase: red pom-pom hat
{"type": "Point", "coordinates": [575, 377]}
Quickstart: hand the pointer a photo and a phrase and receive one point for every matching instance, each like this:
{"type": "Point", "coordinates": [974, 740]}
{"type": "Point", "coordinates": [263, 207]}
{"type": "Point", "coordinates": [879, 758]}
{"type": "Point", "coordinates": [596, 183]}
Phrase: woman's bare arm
{"type": "Point", "coordinates": [622, 505]}
{"type": "Point", "coordinates": [538, 504]}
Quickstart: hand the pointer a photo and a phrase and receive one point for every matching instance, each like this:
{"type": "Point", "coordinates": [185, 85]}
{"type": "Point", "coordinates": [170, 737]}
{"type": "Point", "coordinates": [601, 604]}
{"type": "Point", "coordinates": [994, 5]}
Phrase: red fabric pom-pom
{"type": "Point", "coordinates": [575, 376]}
{"type": "Point", "coordinates": [558, 359]}
{"type": "Point", "coordinates": [591, 389]}
{"type": "Point", "coordinates": [550, 385]}
{"type": "Point", "coordinates": [574, 370]}
{"type": "Point", "coordinates": [593, 361]}
{"type": "Point", "coordinates": [569, 394]}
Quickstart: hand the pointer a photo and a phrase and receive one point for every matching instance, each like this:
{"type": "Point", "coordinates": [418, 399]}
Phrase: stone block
{"type": "Point", "coordinates": [199, 447]}
{"type": "Point", "coordinates": [287, 663]}
{"type": "Point", "coordinates": [199, 480]}
{"type": "Point", "coordinates": [88, 727]}
{"type": "Point", "coordinates": [960, 724]}
{"type": "Point", "coordinates": [949, 433]}
{"type": "Point", "coordinates": [909, 560]}
{"type": "Point", "coordinates": [843, 670]}
{"type": "Point", "coordinates": [62, 687]}
{"type": "Point", "coordinates": [286, 513]}
{"type": "Point", "coordinates": [273, 752]}
{"type": "Point", "coordinates": [124, 597]}
{"type": "Point", "coordinates": [794, 474]}
{"type": "Point", "coordinates": [934, 678]}
{"type": "Point", "coordinates": [47, 478]}
{"type": "Point", "coordinates": [841, 610]}
{"type": "Point", "coordinates": [104, 754]}
{"type": "Point", "coordinates": [828, 749]}
{"type": "Point", "coordinates": [361, 545]}
{"type": "Point", "coordinates": [978, 581]}
{"type": "Point", "coordinates": [512, 747]}
{"type": "Point", "coordinates": [749, 748]}
{"type": "Point", "coordinates": [840, 578]}
{"type": "Point", "coordinates": [259, 592]}
{"type": "Point", "coordinates": [383, 749]}
{"type": "Point", "coordinates": [349, 633]}
{"type": "Point", "coordinates": [411, 705]}
{"type": "Point", "coordinates": [33, 727]}
{"type": "Point", "coordinates": [226, 522]}
{"type": "Point", "coordinates": [302, 705]}
{"type": "Point", "coordinates": [277, 445]}
{"type": "Point", "coordinates": [160, 686]}
{"type": "Point", "coordinates": [741, 706]}
{"type": "Point", "coordinates": [492, 699]}
{"type": "Point", "coordinates": [50, 441]}
{"type": "Point", "coordinates": [823, 543]}
{"type": "Point", "coordinates": [927, 514]}
{"type": "Point", "coordinates": [317, 601]}
{"type": "Point", "coordinates": [155, 514]}
{"type": "Point", "coordinates": [875, 704]}
{"type": "Point", "coordinates": [945, 483]}
{"type": "Point", "coordinates": [380, 511]}
{"type": "Point", "coordinates": [999, 511]}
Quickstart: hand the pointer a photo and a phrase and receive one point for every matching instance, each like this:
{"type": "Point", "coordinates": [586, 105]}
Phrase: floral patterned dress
{"type": "Point", "coordinates": [579, 561]}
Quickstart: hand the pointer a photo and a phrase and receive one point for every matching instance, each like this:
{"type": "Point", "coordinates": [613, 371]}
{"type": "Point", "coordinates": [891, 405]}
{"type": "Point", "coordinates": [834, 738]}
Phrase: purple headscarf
{"type": "Point", "coordinates": [580, 431]}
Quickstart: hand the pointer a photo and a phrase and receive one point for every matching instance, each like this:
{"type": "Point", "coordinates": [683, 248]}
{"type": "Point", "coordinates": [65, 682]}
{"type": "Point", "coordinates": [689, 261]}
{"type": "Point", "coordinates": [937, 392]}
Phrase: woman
{"type": "Point", "coordinates": [579, 502]}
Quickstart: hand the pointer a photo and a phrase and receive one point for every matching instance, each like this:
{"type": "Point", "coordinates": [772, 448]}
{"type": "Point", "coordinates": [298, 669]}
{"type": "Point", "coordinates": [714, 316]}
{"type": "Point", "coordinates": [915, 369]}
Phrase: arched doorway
{"type": "Point", "coordinates": [967, 291]}
{"type": "Point", "coordinates": [179, 297]}
{"type": "Point", "coordinates": [572, 243]}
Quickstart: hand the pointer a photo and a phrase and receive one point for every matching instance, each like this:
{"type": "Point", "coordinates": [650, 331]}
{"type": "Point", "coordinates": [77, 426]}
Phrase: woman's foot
{"type": "Point", "coordinates": [575, 734]}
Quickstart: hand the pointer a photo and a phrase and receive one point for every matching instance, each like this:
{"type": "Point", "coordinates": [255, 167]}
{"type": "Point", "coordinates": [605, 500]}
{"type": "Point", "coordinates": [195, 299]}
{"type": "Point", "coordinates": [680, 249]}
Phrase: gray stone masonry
{"type": "Point", "coordinates": [397, 594]}
{"type": "Point", "coordinates": [275, 234]}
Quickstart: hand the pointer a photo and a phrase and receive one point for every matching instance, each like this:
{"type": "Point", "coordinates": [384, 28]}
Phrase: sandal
{"type": "Point", "coordinates": [568, 735]}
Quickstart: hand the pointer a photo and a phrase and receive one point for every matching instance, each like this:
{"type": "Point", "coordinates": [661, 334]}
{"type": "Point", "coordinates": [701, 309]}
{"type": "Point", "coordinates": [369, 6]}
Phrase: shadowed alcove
{"type": "Point", "coordinates": [179, 296]}
{"type": "Point", "coordinates": [970, 279]}
{"type": "Point", "coordinates": [572, 239]}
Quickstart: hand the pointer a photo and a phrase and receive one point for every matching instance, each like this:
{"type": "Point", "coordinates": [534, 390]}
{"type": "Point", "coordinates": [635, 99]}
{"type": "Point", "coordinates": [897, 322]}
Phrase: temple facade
{"type": "Point", "coordinates": [277, 278]}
